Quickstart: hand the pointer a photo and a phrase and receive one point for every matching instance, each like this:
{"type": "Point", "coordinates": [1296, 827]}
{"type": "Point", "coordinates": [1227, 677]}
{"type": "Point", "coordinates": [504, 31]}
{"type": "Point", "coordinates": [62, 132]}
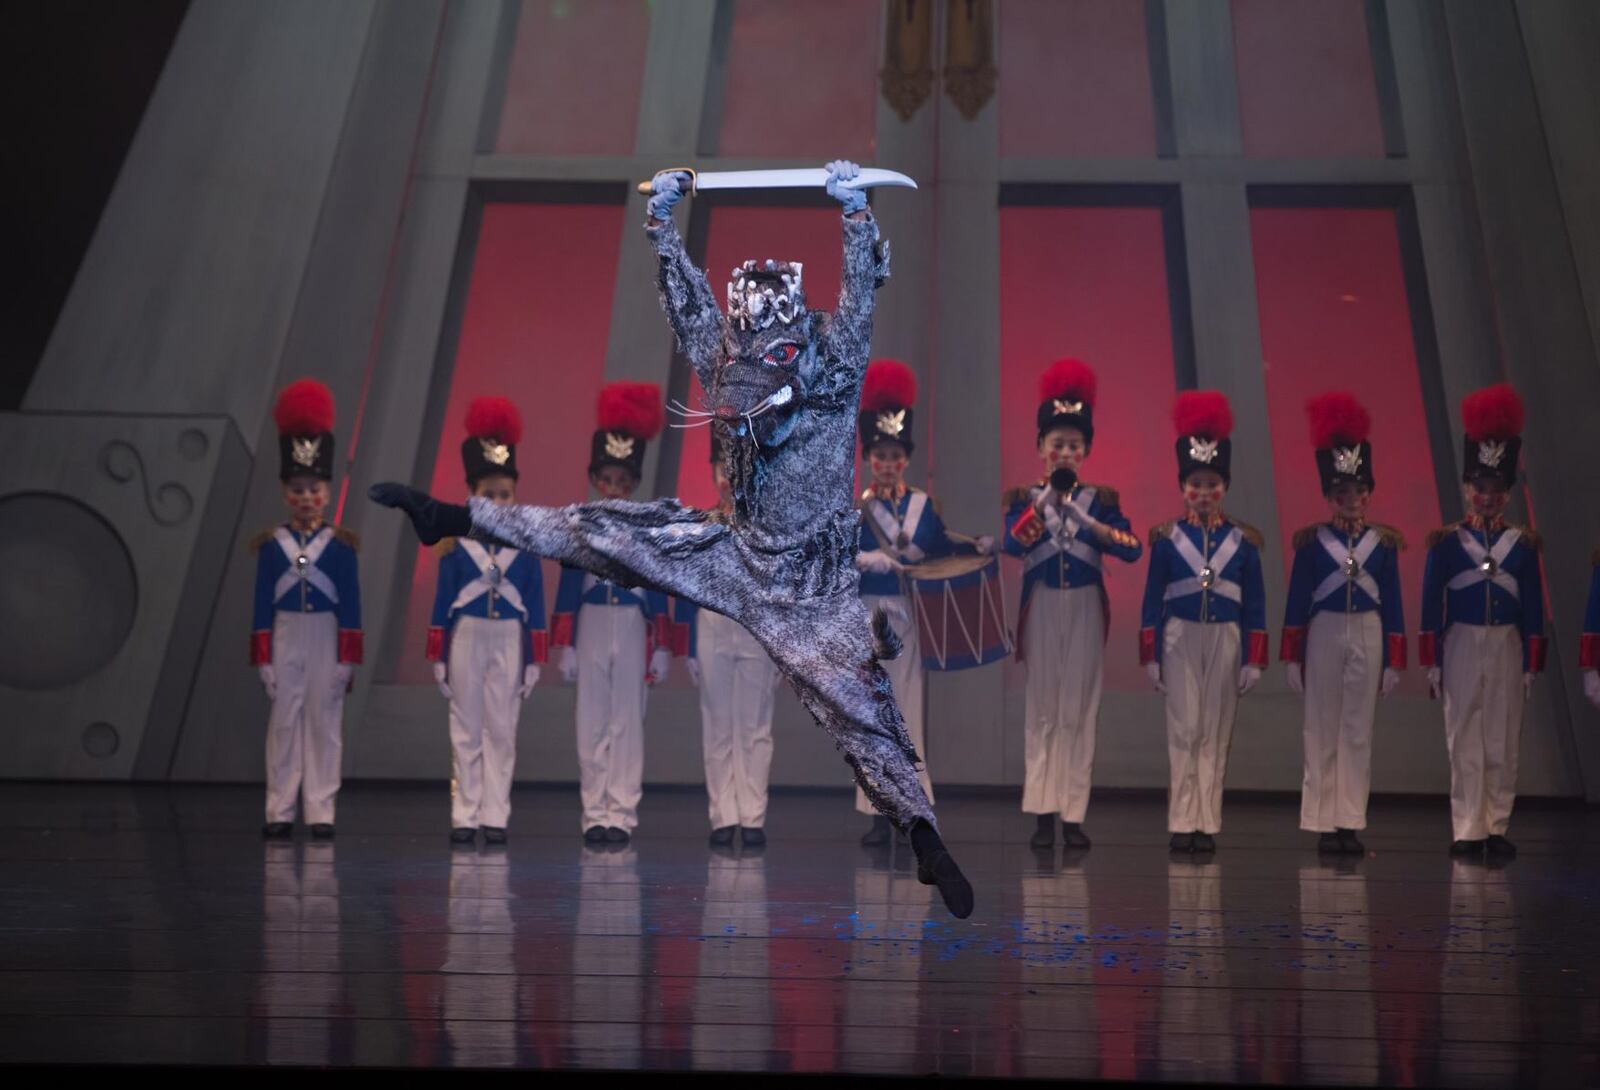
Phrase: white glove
{"type": "Point", "coordinates": [1297, 678]}
{"type": "Point", "coordinates": [694, 671]}
{"type": "Point", "coordinates": [1527, 685]}
{"type": "Point", "coordinates": [342, 673]}
{"type": "Point", "coordinates": [1591, 686]}
{"type": "Point", "coordinates": [1434, 676]}
{"type": "Point", "coordinates": [440, 674]}
{"type": "Point", "coordinates": [660, 663]}
{"type": "Point", "coordinates": [269, 679]}
{"type": "Point", "coordinates": [985, 545]}
{"type": "Point", "coordinates": [875, 560]}
{"type": "Point", "coordinates": [1391, 678]}
{"type": "Point", "coordinates": [1152, 670]}
{"type": "Point", "coordinates": [530, 678]}
{"type": "Point", "coordinates": [1248, 676]}
{"type": "Point", "coordinates": [568, 664]}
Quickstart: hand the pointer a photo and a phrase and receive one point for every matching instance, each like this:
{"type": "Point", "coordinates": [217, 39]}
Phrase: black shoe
{"type": "Point", "coordinates": [1204, 842]}
{"type": "Point", "coordinates": [1350, 844]}
{"type": "Point", "coordinates": [721, 838]}
{"type": "Point", "coordinates": [462, 835]}
{"type": "Point", "coordinates": [278, 830]}
{"type": "Point", "coordinates": [937, 867]}
{"type": "Point", "coordinates": [595, 834]}
{"type": "Point", "coordinates": [1044, 834]}
{"type": "Point", "coordinates": [615, 835]}
{"type": "Point", "coordinates": [1466, 847]}
{"type": "Point", "coordinates": [878, 835]}
{"type": "Point", "coordinates": [1501, 847]}
{"type": "Point", "coordinates": [753, 838]}
{"type": "Point", "coordinates": [433, 521]}
{"type": "Point", "coordinates": [1181, 842]}
{"type": "Point", "coordinates": [322, 831]}
{"type": "Point", "coordinates": [494, 834]}
{"type": "Point", "coordinates": [1329, 844]}
{"type": "Point", "coordinates": [1073, 837]}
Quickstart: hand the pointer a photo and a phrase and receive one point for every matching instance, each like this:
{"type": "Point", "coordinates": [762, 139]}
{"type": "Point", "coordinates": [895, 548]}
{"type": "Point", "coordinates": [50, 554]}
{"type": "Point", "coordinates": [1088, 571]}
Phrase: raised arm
{"type": "Point", "coordinates": [686, 295]}
{"type": "Point", "coordinates": [866, 267]}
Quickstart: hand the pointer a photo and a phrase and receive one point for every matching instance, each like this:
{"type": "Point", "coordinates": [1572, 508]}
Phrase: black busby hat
{"type": "Point", "coordinates": [1491, 420]}
{"type": "Point", "coordinates": [304, 415]}
{"type": "Point", "coordinates": [1204, 421]}
{"type": "Point", "coordinates": [887, 393]}
{"type": "Point", "coordinates": [1340, 427]}
{"type": "Point", "coordinates": [494, 428]}
{"type": "Point", "coordinates": [1066, 398]}
{"type": "Point", "coordinates": [629, 416]}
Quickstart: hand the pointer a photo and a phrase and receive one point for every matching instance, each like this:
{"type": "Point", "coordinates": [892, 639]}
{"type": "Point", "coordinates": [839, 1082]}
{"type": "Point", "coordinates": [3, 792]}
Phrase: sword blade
{"type": "Point", "coordinates": [804, 178]}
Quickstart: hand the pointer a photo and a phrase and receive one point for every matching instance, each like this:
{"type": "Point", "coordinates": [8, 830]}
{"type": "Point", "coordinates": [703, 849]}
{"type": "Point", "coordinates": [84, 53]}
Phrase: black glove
{"type": "Point", "coordinates": [431, 519]}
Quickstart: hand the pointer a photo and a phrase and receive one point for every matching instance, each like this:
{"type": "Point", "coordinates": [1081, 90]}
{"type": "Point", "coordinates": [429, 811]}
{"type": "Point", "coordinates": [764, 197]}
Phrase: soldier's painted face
{"type": "Point", "coordinates": [887, 461]}
{"type": "Point", "coordinates": [1486, 497]}
{"type": "Point", "coordinates": [497, 488]}
{"type": "Point", "coordinates": [306, 497]}
{"type": "Point", "coordinates": [1062, 447]}
{"type": "Point", "coordinates": [614, 482]}
{"type": "Point", "coordinates": [1349, 500]}
{"type": "Point", "coordinates": [1203, 491]}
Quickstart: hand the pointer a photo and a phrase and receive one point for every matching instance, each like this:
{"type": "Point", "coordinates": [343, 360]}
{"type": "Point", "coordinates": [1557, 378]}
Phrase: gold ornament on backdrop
{"type": "Point", "coordinates": [908, 72]}
{"type": "Point", "coordinates": [970, 76]}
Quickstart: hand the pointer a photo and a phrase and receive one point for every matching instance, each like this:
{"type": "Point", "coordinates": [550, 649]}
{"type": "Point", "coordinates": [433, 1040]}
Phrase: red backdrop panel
{"type": "Point", "coordinates": [1334, 316]}
{"type": "Point", "coordinates": [556, 103]}
{"type": "Point", "coordinates": [808, 235]}
{"type": "Point", "coordinates": [802, 80]}
{"type": "Point", "coordinates": [1306, 86]}
{"type": "Point", "coordinates": [538, 308]}
{"type": "Point", "coordinates": [1075, 79]}
{"type": "Point", "coordinates": [1092, 283]}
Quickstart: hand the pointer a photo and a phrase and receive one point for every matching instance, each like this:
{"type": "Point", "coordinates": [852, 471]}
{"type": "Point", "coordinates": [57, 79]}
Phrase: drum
{"type": "Point", "coordinates": [959, 604]}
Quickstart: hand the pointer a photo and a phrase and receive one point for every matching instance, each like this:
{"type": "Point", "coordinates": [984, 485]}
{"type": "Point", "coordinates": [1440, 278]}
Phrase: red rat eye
{"type": "Point", "coordinates": [781, 355]}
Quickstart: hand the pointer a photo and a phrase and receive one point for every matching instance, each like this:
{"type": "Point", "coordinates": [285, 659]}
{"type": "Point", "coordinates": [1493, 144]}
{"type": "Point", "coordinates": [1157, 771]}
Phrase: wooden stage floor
{"type": "Point", "coordinates": [153, 925]}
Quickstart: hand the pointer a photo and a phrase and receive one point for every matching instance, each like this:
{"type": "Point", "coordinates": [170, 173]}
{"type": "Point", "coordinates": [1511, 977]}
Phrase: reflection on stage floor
{"type": "Point", "coordinates": [153, 925]}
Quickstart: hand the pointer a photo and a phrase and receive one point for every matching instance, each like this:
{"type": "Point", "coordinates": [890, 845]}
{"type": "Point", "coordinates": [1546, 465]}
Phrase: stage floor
{"type": "Point", "coordinates": [153, 925]}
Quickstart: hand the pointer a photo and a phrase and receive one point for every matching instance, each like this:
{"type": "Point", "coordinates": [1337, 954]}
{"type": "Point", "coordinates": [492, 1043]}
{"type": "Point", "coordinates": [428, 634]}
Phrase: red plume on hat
{"type": "Point", "coordinates": [889, 384]}
{"type": "Point", "coordinates": [494, 418]}
{"type": "Point", "coordinates": [1493, 413]}
{"type": "Point", "coordinates": [632, 408]}
{"type": "Point", "coordinates": [1203, 413]}
{"type": "Point", "coordinates": [1337, 420]}
{"type": "Point", "coordinates": [1068, 380]}
{"type": "Point", "coordinates": [305, 407]}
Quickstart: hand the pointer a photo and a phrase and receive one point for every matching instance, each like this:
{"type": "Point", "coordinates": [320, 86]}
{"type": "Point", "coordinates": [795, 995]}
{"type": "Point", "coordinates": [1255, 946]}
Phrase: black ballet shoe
{"type": "Point", "coordinates": [594, 834]}
{"type": "Point", "coordinates": [1181, 842]}
{"type": "Point", "coordinates": [1329, 844]}
{"type": "Point", "coordinates": [614, 835]}
{"type": "Point", "coordinates": [721, 838]}
{"type": "Point", "coordinates": [433, 521]}
{"type": "Point", "coordinates": [1500, 847]}
{"type": "Point", "coordinates": [277, 830]}
{"type": "Point", "coordinates": [462, 835]}
{"type": "Point", "coordinates": [879, 834]}
{"type": "Point", "coordinates": [937, 867]}
{"type": "Point", "coordinates": [1350, 844]}
{"type": "Point", "coordinates": [1073, 838]}
{"type": "Point", "coordinates": [1044, 835]}
{"type": "Point", "coordinates": [322, 830]}
{"type": "Point", "coordinates": [1204, 843]}
{"type": "Point", "coordinates": [753, 838]}
{"type": "Point", "coordinates": [1466, 847]}
{"type": "Point", "coordinates": [494, 834]}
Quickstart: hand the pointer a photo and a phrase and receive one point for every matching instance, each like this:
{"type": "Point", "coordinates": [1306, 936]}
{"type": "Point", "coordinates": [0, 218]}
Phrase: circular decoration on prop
{"type": "Point", "coordinates": [70, 594]}
{"type": "Point", "coordinates": [101, 740]}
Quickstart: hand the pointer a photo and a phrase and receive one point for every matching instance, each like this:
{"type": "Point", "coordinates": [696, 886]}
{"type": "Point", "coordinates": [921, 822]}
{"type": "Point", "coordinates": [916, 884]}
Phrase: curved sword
{"type": "Point", "coordinates": [800, 178]}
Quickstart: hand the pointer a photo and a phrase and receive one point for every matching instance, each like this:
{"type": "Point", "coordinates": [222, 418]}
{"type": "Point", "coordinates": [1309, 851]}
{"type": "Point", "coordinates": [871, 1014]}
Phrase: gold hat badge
{"type": "Point", "coordinates": [892, 422]}
{"type": "Point", "coordinates": [305, 451]}
{"type": "Point", "coordinates": [618, 445]}
{"type": "Point", "coordinates": [495, 452]}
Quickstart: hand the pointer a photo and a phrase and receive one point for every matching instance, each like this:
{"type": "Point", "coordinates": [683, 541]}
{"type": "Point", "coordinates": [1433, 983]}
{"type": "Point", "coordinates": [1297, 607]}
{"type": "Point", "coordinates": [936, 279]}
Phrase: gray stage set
{"type": "Point", "coordinates": [298, 200]}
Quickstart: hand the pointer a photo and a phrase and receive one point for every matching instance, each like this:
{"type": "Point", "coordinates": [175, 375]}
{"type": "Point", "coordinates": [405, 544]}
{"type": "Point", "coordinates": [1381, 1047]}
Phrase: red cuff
{"type": "Point", "coordinates": [538, 645]}
{"type": "Point", "coordinates": [1427, 649]}
{"type": "Point", "coordinates": [1537, 647]}
{"type": "Point", "coordinates": [1147, 646]}
{"type": "Point", "coordinates": [435, 648]}
{"type": "Point", "coordinates": [1293, 646]}
{"type": "Point", "coordinates": [350, 646]}
{"type": "Point", "coordinates": [1260, 648]}
{"type": "Point", "coordinates": [561, 630]}
{"type": "Point", "coordinates": [1029, 529]}
{"type": "Point", "coordinates": [680, 640]}
{"type": "Point", "coordinates": [1397, 650]}
{"type": "Point", "coordinates": [1589, 651]}
{"type": "Point", "coordinates": [260, 647]}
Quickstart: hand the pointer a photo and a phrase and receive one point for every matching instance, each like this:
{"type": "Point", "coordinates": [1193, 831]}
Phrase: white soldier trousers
{"type": "Point", "coordinates": [305, 730]}
{"type": "Point", "coordinates": [1343, 668]}
{"type": "Point", "coordinates": [611, 697]}
{"type": "Point", "coordinates": [485, 676]}
{"type": "Point", "coordinates": [1482, 725]}
{"type": "Point", "coordinates": [905, 677]}
{"type": "Point", "coordinates": [1200, 669]}
{"type": "Point", "coordinates": [1063, 647]}
{"type": "Point", "coordinates": [736, 690]}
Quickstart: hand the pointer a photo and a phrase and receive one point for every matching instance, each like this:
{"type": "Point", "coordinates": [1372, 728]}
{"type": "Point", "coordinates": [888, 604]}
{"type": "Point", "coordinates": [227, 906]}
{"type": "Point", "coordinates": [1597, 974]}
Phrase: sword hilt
{"type": "Point", "coordinates": [645, 188]}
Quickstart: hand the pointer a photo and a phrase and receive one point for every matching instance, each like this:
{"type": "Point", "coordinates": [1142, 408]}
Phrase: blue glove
{"type": "Point", "coordinates": [665, 191]}
{"type": "Point", "coordinates": [843, 170]}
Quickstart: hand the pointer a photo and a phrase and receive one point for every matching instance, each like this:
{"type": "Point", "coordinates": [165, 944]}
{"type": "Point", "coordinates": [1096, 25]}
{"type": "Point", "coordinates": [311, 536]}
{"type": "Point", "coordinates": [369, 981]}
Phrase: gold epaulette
{"type": "Point", "coordinates": [1436, 536]}
{"type": "Point", "coordinates": [1533, 537]}
{"type": "Point", "coordinates": [347, 537]}
{"type": "Point", "coordinates": [1305, 536]}
{"type": "Point", "coordinates": [1249, 533]}
{"type": "Point", "coordinates": [256, 542]}
{"type": "Point", "coordinates": [1022, 493]}
{"type": "Point", "coordinates": [444, 546]}
{"type": "Point", "coordinates": [1390, 536]}
{"type": "Point", "coordinates": [1161, 531]}
{"type": "Point", "coordinates": [1108, 496]}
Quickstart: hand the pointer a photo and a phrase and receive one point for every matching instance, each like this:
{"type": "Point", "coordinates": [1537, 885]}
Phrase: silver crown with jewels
{"type": "Point", "coordinates": [756, 301]}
